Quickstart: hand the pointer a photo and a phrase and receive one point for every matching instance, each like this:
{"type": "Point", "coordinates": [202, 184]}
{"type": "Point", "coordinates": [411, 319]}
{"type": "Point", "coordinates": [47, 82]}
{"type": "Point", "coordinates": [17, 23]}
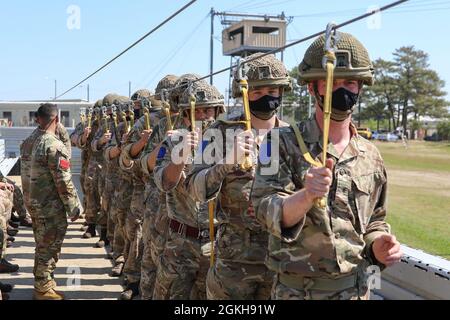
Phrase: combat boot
{"type": "Point", "coordinates": [13, 224]}
{"type": "Point", "coordinates": [103, 242]}
{"type": "Point", "coordinates": [118, 267]}
{"type": "Point", "coordinates": [90, 232]}
{"type": "Point", "coordinates": [5, 288]}
{"type": "Point", "coordinates": [84, 226]}
{"type": "Point", "coordinates": [14, 218]}
{"type": "Point", "coordinates": [49, 295]}
{"type": "Point", "coordinates": [12, 232]}
{"type": "Point", "coordinates": [26, 222]}
{"type": "Point", "coordinates": [130, 292]}
{"type": "Point", "coordinates": [6, 267]}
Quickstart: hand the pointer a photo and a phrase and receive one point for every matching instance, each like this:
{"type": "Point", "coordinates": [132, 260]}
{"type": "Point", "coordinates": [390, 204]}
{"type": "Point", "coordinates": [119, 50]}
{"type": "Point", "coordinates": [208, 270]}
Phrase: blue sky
{"type": "Point", "coordinates": [38, 47]}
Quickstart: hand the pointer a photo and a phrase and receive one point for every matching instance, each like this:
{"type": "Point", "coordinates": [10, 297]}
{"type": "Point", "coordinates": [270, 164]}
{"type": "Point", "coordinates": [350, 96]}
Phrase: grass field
{"type": "Point", "coordinates": [419, 194]}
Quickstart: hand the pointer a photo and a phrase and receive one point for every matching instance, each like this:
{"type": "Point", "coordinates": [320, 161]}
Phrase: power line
{"type": "Point", "coordinates": [130, 47]}
{"type": "Point", "coordinates": [343, 24]}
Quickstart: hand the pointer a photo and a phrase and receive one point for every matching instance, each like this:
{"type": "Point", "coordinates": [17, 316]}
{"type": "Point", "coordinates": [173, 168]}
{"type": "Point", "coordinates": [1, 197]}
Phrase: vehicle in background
{"type": "Point", "coordinates": [433, 137]}
{"type": "Point", "coordinates": [387, 136]}
{"type": "Point", "coordinates": [365, 133]}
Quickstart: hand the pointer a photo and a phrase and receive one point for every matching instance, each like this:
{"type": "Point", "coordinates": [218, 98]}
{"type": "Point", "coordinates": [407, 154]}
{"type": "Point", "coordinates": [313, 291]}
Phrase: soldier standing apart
{"type": "Point", "coordinates": [184, 264]}
{"type": "Point", "coordinates": [53, 197]}
{"type": "Point", "coordinates": [241, 246]}
{"type": "Point", "coordinates": [322, 252]}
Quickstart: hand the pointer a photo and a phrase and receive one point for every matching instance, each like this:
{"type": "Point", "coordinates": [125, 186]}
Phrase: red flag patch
{"type": "Point", "coordinates": [64, 164]}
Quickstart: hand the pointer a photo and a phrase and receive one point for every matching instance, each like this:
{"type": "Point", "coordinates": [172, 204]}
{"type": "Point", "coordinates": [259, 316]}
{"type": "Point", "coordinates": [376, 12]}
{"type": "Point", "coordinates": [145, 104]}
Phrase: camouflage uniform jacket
{"type": "Point", "coordinates": [246, 241]}
{"type": "Point", "coordinates": [26, 149]}
{"type": "Point", "coordinates": [332, 242]}
{"type": "Point", "coordinates": [134, 136]}
{"type": "Point", "coordinates": [180, 205]}
{"type": "Point", "coordinates": [51, 189]}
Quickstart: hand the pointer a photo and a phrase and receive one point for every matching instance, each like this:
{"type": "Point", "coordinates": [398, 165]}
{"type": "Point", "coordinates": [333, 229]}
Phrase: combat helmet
{"type": "Point", "coordinates": [178, 89]}
{"type": "Point", "coordinates": [262, 72]}
{"type": "Point", "coordinates": [206, 95]}
{"type": "Point", "coordinates": [108, 100]}
{"type": "Point", "coordinates": [140, 94]}
{"type": "Point", "coordinates": [352, 61]}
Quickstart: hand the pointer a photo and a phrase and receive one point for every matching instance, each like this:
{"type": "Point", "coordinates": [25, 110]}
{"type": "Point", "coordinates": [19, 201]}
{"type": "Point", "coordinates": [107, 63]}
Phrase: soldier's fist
{"type": "Point", "coordinates": [386, 249]}
{"type": "Point", "coordinates": [319, 180]}
{"type": "Point", "coordinates": [244, 146]}
{"type": "Point", "coordinates": [145, 135]}
{"type": "Point", "coordinates": [190, 142]}
{"type": "Point", "coordinates": [105, 138]}
{"type": "Point", "coordinates": [86, 132]}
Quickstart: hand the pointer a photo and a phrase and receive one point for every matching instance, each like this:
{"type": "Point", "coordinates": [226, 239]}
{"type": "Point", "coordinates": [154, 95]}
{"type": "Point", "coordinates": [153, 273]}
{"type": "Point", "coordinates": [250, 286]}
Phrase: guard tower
{"type": "Point", "coordinates": [250, 36]}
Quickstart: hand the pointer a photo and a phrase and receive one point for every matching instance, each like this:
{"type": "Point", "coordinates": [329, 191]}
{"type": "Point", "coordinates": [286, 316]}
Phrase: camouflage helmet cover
{"type": "Point", "coordinates": [108, 100]}
{"type": "Point", "coordinates": [140, 94]}
{"type": "Point", "coordinates": [206, 96]}
{"type": "Point", "coordinates": [353, 61]}
{"type": "Point", "coordinates": [165, 83]}
{"type": "Point", "coordinates": [178, 89]}
{"type": "Point", "coordinates": [263, 72]}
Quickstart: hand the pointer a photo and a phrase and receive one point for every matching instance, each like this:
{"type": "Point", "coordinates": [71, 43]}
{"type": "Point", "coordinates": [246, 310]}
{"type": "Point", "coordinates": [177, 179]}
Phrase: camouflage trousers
{"type": "Point", "coordinates": [94, 184]}
{"type": "Point", "coordinates": [84, 165]}
{"type": "Point", "coordinates": [6, 204]}
{"type": "Point", "coordinates": [111, 181]}
{"type": "Point", "coordinates": [18, 201]}
{"type": "Point", "coordinates": [239, 272]}
{"type": "Point", "coordinates": [182, 269]}
{"type": "Point", "coordinates": [49, 235]}
{"type": "Point", "coordinates": [230, 280]}
{"type": "Point", "coordinates": [281, 291]}
{"type": "Point", "coordinates": [154, 235]}
{"type": "Point", "coordinates": [133, 227]}
{"type": "Point", "coordinates": [120, 208]}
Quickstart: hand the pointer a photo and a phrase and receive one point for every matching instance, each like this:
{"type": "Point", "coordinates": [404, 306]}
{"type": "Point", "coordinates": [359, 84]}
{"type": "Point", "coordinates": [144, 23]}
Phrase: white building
{"type": "Point", "coordinates": [21, 113]}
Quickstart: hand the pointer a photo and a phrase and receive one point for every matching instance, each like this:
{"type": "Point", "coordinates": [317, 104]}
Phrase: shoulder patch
{"type": "Point", "coordinates": [162, 152]}
{"type": "Point", "coordinates": [64, 163]}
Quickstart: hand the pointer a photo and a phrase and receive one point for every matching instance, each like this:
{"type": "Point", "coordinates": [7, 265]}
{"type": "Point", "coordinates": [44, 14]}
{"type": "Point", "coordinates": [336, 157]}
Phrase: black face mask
{"type": "Point", "coordinates": [265, 107]}
{"type": "Point", "coordinates": [343, 99]}
{"type": "Point", "coordinates": [137, 114]}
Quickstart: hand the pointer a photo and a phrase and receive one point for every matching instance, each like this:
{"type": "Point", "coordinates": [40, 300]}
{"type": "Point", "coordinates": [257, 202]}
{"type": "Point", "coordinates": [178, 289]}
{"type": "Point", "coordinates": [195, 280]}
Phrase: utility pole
{"type": "Point", "coordinates": [56, 85]}
{"type": "Point", "coordinates": [211, 48]}
{"type": "Point", "coordinates": [88, 98]}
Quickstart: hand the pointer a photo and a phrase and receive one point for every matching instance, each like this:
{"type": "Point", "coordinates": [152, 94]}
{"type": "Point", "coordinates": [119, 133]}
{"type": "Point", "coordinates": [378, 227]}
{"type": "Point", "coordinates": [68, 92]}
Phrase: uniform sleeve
{"type": "Point", "coordinates": [63, 135]}
{"type": "Point", "coordinates": [268, 194]}
{"type": "Point", "coordinates": [162, 161]}
{"type": "Point", "coordinates": [59, 165]}
{"type": "Point", "coordinates": [95, 142]}
{"type": "Point", "coordinates": [152, 144]}
{"type": "Point", "coordinates": [377, 225]}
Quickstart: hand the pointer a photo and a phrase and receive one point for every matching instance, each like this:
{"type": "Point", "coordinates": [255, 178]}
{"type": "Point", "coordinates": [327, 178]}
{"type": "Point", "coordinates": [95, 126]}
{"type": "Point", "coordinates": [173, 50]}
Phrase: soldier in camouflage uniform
{"type": "Point", "coordinates": [79, 128]}
{"type": "Point", "coordinates": [155, 224]}
{"type": "Point", "coordinates": [184, 263]}
{"type": "Point", "coordinates": [118, 184]}
{"type": "Point", "coordinates": [105, 176]}
{"type": "Point", "coordinates": [53, 198]}
{"type": "Point", "coordinates": [26, 148]}
{"type": "Point", "coordinates": [136, 141]}
{"type": "Point", "coordinates": [95, 176]}
{"type": "Point", "coordinates": [316, 252]}
{"type": "Point", "coordinates": [239, 271]}
{"type": "Point", "coordinates": [6, 204]}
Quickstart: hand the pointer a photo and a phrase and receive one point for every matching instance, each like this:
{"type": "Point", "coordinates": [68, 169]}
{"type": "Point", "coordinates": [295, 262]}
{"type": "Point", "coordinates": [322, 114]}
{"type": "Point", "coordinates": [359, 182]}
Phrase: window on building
{"type": "Point", "coordinates": [31, 122]}
{"type": "Point", "coordinates": [7, 115]}
{"type": "Point", "coordinates": [65, 118]}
